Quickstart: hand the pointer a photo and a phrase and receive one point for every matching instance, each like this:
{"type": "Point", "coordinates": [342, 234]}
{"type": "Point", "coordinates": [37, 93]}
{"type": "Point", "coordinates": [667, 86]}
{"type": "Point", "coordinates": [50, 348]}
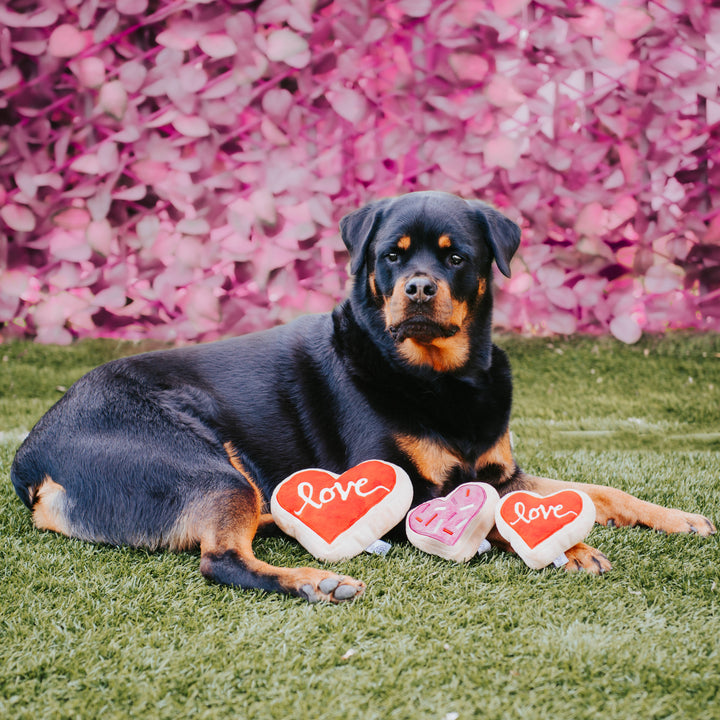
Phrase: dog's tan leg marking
{"type": "Point", "coordinates": [225, 524]}
{"type": "Point", "coordinates": [615, 507]}
{"type": "Point", "coordinates": [499, 456]}
{"type": "Point", "coordinates": [49, 507]}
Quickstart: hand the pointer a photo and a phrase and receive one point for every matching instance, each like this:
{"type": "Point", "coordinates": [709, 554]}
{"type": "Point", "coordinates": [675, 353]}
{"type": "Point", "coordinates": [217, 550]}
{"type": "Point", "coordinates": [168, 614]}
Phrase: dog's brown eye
{"type": "Point", "coordinates": [455, 259]}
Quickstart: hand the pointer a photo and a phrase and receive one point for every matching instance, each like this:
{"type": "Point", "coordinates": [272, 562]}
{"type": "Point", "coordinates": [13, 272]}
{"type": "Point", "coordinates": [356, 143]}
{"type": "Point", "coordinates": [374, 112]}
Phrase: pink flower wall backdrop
{"type": "Point", "coordinates": [176, 169]}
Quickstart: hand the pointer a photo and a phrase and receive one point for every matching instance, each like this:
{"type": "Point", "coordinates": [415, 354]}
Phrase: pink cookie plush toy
{"type": "Point", "coordinates": [454, 527]}
{"type": "Point", "coordinates": [335, 517]}
{"type": "Point", "coordinates": [540, 529]}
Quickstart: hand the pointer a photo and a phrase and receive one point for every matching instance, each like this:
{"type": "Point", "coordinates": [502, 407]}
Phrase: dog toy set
{"type": "Point", "coordinates": [335, 517]}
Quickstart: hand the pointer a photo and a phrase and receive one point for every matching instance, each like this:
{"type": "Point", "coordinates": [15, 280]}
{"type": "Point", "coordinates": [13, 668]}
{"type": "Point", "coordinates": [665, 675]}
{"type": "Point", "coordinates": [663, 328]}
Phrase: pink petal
{"type": "Point", "coordinates": [131, 7]}
{"type": "Point", "coordinates": [217, 45]}
{"type": "Point", "coordinates": [99, 236]}
{"type": "Point", "coordinates": [112, 298]}
{"type": "Point", "coordinates": [592, 220]}
{"type": "Point", "coordinates": [664, 278]}
{"type": "Point", "coordinates": [471, 68]}
{"type": "Point", "coordinates": [277, 102]}
{"type": "Point", "coordinates": [132, 193]}
{"type": "Point", "coordinates": [90, 71]}
{"type": "Point", "coordinates": [263, 205]}
{"type": "Point", "coordinates": [626, 329]}
{"type": "Point", "coordinates": [563, 297]}
{"type": "Point", "coordinates": [508, 8]}
{"type": "Point", "coordinates": [67, 41]}
{"type": "Point", "coordinates": [9, 78]}
{"type": "Point", "coordinates": [69, 246]}
{"type": "Point", "coordinates": [193, 226]}
{"type": "Point", "coordinates": [132, 75]}
{"type": "Point", "coordinates": [191, 126]}
{"type": "Point", "coordinates": [74, 218]}
{"type": "Point", "coordinates": [500, 151]}
{"type": "Point", "coordinates": [631, 23]}
{"type": "Point", "coordinates": [623, 209]}
{"type": "Point", "coordinates": [416, 8]}
{"type": "Point", "coordinates": [113, 99]}
{"type": "Point", "coordinates": [178, 37]}
{"type": "Point", "coordinates": [284, 44]}
{"type": "Point", "coordinates": [501, 93]}
{"type": "Point", "coordinates": [591, 21]}
{"type": "Point", "coordinates": [87, 164]}
{"type": "Point", "coordinates": [616, 48]}
{"type": "Point", "coordinates": [18, 217]}
{"type": "Point", "coordinates": [348, 104]}
{"type": "Point", "coordinates": [42, 18]}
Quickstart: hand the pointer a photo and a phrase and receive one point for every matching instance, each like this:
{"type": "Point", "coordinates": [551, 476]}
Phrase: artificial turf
{"type": "Point", "coordinates": [90, 631]}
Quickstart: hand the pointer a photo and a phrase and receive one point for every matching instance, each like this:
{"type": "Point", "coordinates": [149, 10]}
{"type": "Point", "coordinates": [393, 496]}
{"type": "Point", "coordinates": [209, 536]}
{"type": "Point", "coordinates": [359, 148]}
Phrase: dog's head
{"type": "Point", "coordinates": [422, 266]}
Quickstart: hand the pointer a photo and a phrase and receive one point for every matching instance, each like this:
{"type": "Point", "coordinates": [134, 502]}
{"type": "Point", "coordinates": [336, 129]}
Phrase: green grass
{"type": "Point", "coordinates": [94, 631]}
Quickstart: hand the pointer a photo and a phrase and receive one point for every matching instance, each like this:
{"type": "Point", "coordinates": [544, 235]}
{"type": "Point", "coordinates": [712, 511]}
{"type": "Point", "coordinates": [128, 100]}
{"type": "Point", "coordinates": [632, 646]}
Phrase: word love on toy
{"type": "Point", "coordinates": [540, 529]}
{"type": "Point", "coordinates": [335, 517]}
{"type": "Point", "coordinates": [455, 526]}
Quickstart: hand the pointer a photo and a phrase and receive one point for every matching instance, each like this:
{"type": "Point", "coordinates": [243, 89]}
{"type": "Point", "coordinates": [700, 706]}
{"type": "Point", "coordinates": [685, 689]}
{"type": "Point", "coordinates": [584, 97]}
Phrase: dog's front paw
{"type": "Point", "coordinates": [584, 557]}
{"type": "Point", "coordinates": [677, 521]}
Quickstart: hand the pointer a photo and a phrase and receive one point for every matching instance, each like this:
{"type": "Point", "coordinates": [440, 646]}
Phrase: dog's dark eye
{"type": "Point", "coordinates": [392, 257]}
{"type": "Point", "coordinates": [455, 259]}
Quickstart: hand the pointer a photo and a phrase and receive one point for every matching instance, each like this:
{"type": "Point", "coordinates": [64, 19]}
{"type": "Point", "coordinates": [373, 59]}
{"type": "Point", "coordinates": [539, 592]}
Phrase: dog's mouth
{"type": "Point", "coordinates": [421, 329]}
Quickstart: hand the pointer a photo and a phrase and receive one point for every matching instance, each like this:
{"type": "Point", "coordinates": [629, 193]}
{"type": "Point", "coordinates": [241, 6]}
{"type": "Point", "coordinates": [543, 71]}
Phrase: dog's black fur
{"type": "Point", "coordinates": [184, 447]}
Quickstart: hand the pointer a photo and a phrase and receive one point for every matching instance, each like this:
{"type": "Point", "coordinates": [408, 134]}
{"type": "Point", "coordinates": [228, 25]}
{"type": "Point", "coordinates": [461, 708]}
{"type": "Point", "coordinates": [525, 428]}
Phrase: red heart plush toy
{"type": "Point", "coordinates": [335, 517]}
{"type": "Point", "coordinates": [453, 527]}
{"type": "Point", "coordinates": [540, 529]}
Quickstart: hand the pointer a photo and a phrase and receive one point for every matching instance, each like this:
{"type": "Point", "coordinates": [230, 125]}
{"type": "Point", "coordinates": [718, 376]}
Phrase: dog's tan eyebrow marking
{"type": "Point", "coordinates": [444, 242]}
{"type": "Point", "coordinates": [404, 242]}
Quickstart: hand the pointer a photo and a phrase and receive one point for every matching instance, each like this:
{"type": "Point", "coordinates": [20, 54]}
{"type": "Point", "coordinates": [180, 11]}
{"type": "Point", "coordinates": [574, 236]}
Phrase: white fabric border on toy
{"type": "Point", "coordinates": [554, 546]}
{"type": "Point", "coordinates": [378, 520]}
{"type": "Point", "coordinates": [472, 522]}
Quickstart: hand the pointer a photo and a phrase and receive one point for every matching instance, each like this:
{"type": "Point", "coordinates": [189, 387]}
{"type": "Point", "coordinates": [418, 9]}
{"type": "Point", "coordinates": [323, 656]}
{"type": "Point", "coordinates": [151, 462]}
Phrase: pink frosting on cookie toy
{"type": "Point", "coordinates": [335, 517]}
{"type": "Point", "coordinates": [454, 526]}
{"type": "Point", "coordinates": [540, 529]}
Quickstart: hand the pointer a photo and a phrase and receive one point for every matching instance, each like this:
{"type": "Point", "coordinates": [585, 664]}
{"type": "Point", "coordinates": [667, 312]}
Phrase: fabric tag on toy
{"type": "Point", "coordinates": [335, 517]}
{"type": "Point", "coordinates": [454, 526]}
{"type": "Point", "coordinates": [379, 547]}
{"type": "Point", "coordinates": [560, 560]}
{"type": "Point", "coordinates": [540, 529]}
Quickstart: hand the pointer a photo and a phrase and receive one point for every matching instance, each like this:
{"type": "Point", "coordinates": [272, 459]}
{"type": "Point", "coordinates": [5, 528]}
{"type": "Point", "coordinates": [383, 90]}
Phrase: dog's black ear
{"type": "Point", "coordinates": [358, 229]}
{"type": "Point", "coordinates": [502, 234]}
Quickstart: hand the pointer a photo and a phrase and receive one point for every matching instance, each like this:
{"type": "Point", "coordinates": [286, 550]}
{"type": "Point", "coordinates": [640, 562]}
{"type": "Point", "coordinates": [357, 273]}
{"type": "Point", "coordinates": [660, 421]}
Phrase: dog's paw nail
{"type": "Point", "coordinates": [345, 592]}
{"type": "Point", "coordinates": [328, 585]}
{"type": "Point", "coordinates": [308, 592]}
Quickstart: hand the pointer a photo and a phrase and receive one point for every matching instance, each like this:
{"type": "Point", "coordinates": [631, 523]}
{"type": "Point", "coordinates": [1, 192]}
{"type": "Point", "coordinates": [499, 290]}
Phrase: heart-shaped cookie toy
{"type": "Point", "coordinates": [540, 529]}
{"type": "Point", "coordinates": [335, 517]}
{"type": "Point", "coordinates": [454, 526]}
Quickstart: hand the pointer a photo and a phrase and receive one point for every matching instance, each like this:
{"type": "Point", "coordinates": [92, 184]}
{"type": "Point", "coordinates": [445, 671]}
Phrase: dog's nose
{"type": "Point", "coordinates": [420, 288]}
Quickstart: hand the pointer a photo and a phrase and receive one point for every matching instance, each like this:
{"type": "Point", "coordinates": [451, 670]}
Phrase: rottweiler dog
{"type": "Point", "coordinates": [183, 447]}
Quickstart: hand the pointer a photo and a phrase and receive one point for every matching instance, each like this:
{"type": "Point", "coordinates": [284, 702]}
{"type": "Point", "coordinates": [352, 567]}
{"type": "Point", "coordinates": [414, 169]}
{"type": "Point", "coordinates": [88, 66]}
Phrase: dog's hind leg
{"type": "Point", "coordinates": [225, 524]}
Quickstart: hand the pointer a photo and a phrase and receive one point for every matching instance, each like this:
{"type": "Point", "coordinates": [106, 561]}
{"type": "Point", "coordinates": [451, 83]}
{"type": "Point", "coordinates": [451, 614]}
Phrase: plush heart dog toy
{"type": "Point", "coordinates": [453, 527]}
{"type": "Point", "coordinates": [540, 529]}
{"type": "Point", "coordinates": [335, 517]}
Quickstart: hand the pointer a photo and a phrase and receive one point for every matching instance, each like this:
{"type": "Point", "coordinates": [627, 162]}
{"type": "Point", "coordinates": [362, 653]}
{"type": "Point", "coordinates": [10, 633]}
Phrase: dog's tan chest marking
{"type": "Point", "coordinates": [434, 460]}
